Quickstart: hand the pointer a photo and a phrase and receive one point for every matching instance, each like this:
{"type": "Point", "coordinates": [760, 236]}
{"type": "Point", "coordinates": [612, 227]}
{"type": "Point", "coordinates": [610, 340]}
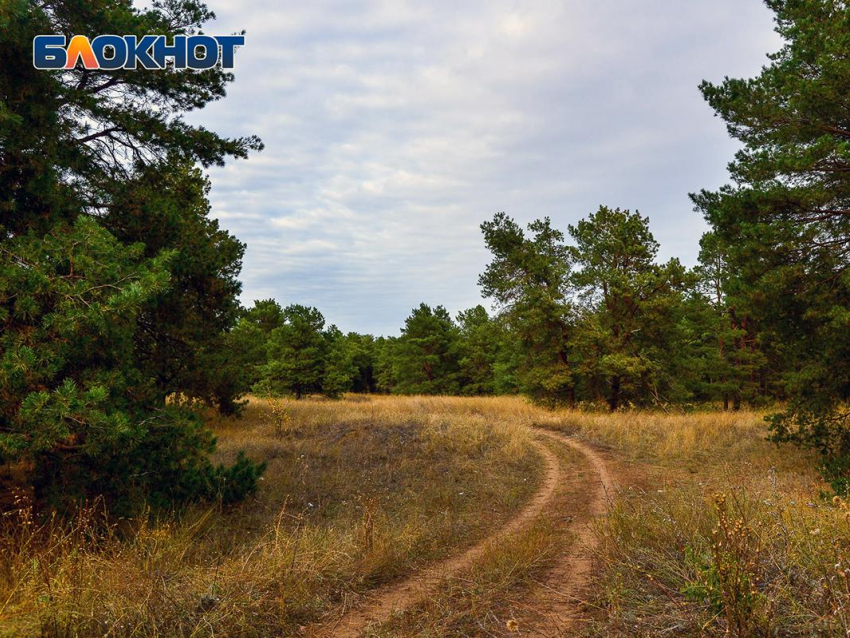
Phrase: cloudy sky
{"type": "Point", "coordinates": [394, 128]}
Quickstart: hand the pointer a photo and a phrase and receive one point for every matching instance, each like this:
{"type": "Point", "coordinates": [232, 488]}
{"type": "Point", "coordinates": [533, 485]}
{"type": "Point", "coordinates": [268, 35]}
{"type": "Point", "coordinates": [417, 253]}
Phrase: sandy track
{"type": "Point", "coordinates": [381, 603]}
{"type": "Point", "coordinates": [552, 607]}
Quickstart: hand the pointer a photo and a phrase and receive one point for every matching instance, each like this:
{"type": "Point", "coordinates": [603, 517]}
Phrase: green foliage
{"type": "Point", "coordinates": [425, 357]}
{"type": "Point", "coordinates": [604, 330]}
{"type": "Point", "coordinates": [529, 278]}
{"type": "Point", "coordinates": [91, 128]}
{"type": "Point", "coordinates": [732, 354]}
{"type": "Point", "coordinates": [114, 144]}
{"type": "Point", "coordinates": [79, 415]}
{"type": "Point", "coordinates": [245, 346]}
{"type": "Point", "coordinates": [631, 306]}
{"type": "Point", "coordinates": [296, 353]}
{"type": "Point", "coordinates": [340, 368]}
{"type": "Point", "coordinates": [363, 352]}
{"type": "Point", "coordinates": [383, 364]}
{"type": "Point", "coordinates": [785, 221]}
{"type": "Point", "coordinates": [436, 355]}
{"type": "Point", "coordinates": [600, 321]}
{"type": "Point", "coordinates": [266, 315]}
{"type": "Point", "coordinates": [480, 345]}
{"type": "Point", "coordinates": [103, 321]}
{"type": "Point", "coordinates": [183, 337]}
{"type": "Point", "coordinates": [232, 484]}
{"type": "Point", "coordinates": [69, 301]}
{"type": "Point", "coordinates": [821, 426]}
{"type": "Point", "coordinates": [301, 356]}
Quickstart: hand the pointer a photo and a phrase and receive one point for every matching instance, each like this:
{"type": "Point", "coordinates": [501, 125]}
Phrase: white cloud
{"type": "Point", "coordinates": [394, 128]}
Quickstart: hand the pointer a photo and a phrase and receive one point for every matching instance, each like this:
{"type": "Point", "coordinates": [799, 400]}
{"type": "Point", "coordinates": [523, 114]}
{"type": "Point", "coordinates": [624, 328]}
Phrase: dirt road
{"type": "Point", "coordinates": [552, 606]}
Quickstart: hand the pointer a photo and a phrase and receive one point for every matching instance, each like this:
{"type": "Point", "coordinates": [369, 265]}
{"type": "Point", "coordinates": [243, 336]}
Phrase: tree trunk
{"type": "Point", "coordinates": [614, 402]}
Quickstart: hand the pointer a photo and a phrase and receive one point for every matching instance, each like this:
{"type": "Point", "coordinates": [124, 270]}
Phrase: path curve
{"type": "Point", "coordinates": [382, 602]}
{"type": "Point", "coordinates": [556, 604]}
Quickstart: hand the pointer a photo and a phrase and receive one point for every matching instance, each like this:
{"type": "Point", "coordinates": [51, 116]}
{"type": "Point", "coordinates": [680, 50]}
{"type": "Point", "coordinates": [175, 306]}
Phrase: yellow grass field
{"type": "Point", "coordinates": [711, 531]}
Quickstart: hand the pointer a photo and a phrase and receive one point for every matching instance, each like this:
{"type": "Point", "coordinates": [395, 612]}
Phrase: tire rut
{"type": "Point", "coordinates": [382, 602]}
{"type": "Point", "coordinates": [551, 608]}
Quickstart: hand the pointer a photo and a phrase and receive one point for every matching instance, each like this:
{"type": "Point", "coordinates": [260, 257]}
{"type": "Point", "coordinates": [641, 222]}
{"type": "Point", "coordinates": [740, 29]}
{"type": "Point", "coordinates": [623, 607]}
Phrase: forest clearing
{"type": "Point", "coordinates": [432, 516]}
{"type": "Point", "coordinates": [390, 319]}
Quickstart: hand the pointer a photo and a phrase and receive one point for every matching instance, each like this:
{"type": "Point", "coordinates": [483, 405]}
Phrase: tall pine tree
{"type": "Point", "coordinates": [785, 219]}
{"type": "Point", "coordinates": [130, 304]}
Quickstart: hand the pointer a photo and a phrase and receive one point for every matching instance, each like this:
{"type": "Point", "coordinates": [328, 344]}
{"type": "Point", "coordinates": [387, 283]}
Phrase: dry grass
{"type": "Point", "coordinates": [492, 598]}
{"type": "Point", "coordinates": [483, 601]}
{"type": "Point", "coordinates": [727, 534]}
{"type": "Point", "coordinates": [363, 491]}
{"type": "Point", "coordinates": [684, 441]}
{"type": "Point", "coordinates": [357, 493]}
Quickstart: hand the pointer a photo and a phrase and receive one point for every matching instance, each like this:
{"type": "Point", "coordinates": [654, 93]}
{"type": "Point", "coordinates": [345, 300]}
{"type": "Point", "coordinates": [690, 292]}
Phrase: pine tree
{"type": "Point", "coordinates": [296, 353]}
{"type": "Point", "coordinates": [77, 414]}
{"type": "Point", "coordinates": [480, 345]}
{"type": "Point", "coordinates": [529, 278]}
{"type": "Point", "coordinates": [631, 304]}
{"type": "Point", "coordinates": [340, 369]}
{"type": "Point", "coordinates": [101, 329]}
{"type": "Point", "coordinates": [786, 217]}
{"type": "Point", "coordinates": [425, 356]}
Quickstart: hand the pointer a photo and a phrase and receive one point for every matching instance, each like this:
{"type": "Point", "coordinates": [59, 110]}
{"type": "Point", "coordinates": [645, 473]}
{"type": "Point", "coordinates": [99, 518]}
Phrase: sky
{"type": "Point", "coordinates": [392, 129]}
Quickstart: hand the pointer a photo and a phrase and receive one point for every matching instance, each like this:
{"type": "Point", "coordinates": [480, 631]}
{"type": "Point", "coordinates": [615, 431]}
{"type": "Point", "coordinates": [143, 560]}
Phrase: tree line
{"type": "Point", "coordinates": [593, 321]}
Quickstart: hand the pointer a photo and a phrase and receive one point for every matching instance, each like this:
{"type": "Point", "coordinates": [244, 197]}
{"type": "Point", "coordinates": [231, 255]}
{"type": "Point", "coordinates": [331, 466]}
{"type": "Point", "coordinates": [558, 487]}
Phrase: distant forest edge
{"type": "Point", "coordinates": [596, 323]}
{"type": "Point", "coordinates": [118, 291]}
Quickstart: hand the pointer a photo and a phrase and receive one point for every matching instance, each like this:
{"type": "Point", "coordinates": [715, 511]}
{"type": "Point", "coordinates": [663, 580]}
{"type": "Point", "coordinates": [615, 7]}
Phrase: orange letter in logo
{"type": "Point", "coordinates": [80, 47]}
